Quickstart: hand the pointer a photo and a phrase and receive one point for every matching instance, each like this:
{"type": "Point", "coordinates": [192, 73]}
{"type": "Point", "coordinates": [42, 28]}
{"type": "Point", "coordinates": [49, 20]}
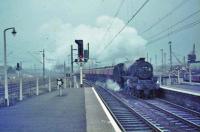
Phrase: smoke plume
{"type": "Point", "coordinates": [127, 45]}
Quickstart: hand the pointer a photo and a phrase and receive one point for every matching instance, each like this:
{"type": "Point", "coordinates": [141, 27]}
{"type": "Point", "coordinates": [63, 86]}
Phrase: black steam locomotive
{"type": "Point", "coordinates": [137, 79]}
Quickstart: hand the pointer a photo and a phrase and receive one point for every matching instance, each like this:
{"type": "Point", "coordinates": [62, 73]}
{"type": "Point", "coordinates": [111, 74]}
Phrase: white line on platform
{"type": "Point", "coordinates": [114, 124]}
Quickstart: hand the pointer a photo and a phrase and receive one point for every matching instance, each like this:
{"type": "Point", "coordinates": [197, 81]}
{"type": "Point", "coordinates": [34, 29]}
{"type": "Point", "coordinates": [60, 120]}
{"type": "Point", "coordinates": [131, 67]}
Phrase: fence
{"type": "Point", "coordinates": [21, 89]}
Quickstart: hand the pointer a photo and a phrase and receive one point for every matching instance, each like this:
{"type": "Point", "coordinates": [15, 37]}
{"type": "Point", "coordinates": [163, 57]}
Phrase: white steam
{"type": "Point", "coordinates": [62, 34]}
{"type": "Point", "coordinates": [101, 84]}
{"type": "Point", "coordinates": [112, 85]}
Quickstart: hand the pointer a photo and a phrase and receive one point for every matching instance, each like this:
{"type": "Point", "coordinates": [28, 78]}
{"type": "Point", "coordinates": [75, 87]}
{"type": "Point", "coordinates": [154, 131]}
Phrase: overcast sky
{"type": "Point", "coordinates": [55, 24]}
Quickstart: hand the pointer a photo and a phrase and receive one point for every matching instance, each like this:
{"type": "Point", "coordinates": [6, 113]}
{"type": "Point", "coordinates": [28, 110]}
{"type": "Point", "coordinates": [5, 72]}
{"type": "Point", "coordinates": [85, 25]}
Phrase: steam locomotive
{"type": "Point", "coordinates": [137, 79]}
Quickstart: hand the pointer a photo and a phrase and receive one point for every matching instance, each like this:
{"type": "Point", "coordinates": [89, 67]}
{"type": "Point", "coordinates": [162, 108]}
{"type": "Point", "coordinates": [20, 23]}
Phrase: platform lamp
{"type": "Point", "coordinates": [5, 65]}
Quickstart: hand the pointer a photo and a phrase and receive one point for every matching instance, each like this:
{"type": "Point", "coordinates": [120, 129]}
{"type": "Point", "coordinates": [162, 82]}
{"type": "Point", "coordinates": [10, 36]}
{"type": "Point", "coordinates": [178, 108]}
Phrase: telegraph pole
{"type": "Point", "coordinates": [170, 51]}
{"type": "Point", "coordinates": [88, 50]}
{"type": "Point", "coordinates": [162, 59]}
{"type": "Point", "coordinates": [43, 63]}
{"type": "Point", "coordinates": [43, 55]}
{"type": "Point", "coordinates": [165, 60]}
{"type": "Point", "coordinates": [72, 69]}
{"type": "Point", "coordinates": [64, 68]}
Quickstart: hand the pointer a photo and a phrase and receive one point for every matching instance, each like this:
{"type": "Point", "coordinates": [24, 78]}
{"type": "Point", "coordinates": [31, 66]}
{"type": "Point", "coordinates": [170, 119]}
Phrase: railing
{"type": "Point", "coordinates": [28, 87]}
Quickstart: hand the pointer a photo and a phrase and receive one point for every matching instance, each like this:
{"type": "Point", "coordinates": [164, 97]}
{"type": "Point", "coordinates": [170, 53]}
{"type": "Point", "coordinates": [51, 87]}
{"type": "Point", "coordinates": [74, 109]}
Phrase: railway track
{"type": "Point", "coordinates": [169, 116]}
{"type": "Point", "coordinates": [190, 116]}
{"type": "Point", "coordinates": [124, 115]}
{"type": "Point", "coordinates": [157, 114]}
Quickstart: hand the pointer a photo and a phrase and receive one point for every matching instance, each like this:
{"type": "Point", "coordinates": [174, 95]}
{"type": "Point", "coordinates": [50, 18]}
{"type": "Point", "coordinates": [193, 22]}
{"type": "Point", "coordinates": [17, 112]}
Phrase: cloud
{"type": "Point", "coordinates": [127, 45]}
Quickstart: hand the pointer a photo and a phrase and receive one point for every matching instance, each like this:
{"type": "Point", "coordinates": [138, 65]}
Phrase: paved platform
{"type": "Point", "coordinates": [184, 88]}
{"type": "Point", "coordinates": [96, 119]}
{"type": "Point", "coordinates": [78, 110]}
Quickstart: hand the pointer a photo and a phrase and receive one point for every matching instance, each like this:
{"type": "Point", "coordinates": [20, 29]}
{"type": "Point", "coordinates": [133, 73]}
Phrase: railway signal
{"type": "Point", "coordinates": [83, 56]}
{"type": "Point", "coordinates": [80, 49]}
{"type": "Point", "coordinates": [19, 66]}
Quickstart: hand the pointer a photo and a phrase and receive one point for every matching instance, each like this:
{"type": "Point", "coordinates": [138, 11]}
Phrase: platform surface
{"type": "Point", "coordinates": [78, 110]}
{"type": "Point", "coordinates": [184, 88]}
{"type": "Point", "coordinates": [96, 119]}
{"type": "Point", "coordinates": [46, 113]}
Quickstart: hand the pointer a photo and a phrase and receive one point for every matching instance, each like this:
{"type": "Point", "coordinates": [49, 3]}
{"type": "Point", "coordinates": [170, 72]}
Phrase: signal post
{"type": "Point", "coordinates": [83, 56]}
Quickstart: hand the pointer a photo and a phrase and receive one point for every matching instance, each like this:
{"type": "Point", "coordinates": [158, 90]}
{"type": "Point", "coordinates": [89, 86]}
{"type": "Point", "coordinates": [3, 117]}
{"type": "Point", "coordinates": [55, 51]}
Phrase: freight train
{"type": "Point", "coordinates": [137, 79]}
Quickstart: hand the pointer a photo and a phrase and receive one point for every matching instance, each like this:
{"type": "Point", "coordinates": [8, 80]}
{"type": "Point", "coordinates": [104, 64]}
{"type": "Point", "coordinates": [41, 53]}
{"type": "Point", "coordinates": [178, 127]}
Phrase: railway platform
{"type": "Point", "coordinates": [77, 110]}
{"type": "Point", "coordinates": [184, 88]}
{"type": "Point", "coordinates": [183, 94]}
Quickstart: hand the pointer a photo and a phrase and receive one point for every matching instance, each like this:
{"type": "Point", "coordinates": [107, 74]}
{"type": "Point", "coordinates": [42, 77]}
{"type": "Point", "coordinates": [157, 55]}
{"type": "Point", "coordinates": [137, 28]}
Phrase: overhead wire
{"type": "Point", "coordinates": [176, 24]}
{"type": "Point", "coordinates": [133, 16]}
{"type": "Point", "coordinates": [115, 15]}
{"type": "Point", "coordinates": [165, 16]}
{"type": "Point", "coordinates": [184, 27]}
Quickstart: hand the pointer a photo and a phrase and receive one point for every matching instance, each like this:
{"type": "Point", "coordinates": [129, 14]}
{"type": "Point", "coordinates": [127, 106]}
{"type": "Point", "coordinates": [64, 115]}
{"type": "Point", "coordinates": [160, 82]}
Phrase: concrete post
{"type": "Point", "coordinates": [70, 82]}
{"type": "Point", "coordinates": [160, 80]}
{"type": "Point", "coordinates": [49, 84]}
{"type": "Point", "coordinates": [74, 83]}
{"type": "Point", "coordinates": [190, 75]}
{"type": "Point", "coordinates": [179, 77]}
{"type": "Point", "coordinates": [20, 89]}
{"type": "Point", "coordinates": [81, 75]}
{"type": "Point", "coordinates": [60, 90]}
{"type": "Point", "coordinates": [65, 82]}
{"type": "Point", "coordinates": [170, 80]}
{"type": "Point", "coordinates": [37, 86]}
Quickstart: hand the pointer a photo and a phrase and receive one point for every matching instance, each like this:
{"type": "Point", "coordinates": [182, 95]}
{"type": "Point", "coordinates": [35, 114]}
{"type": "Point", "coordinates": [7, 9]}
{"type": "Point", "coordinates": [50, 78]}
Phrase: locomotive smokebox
{"type": "Point", "coordinates": [141, 60]}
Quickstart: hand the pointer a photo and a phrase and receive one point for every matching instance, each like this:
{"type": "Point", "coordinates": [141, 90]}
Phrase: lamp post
{"type": "Point", "coordinates": [5, 65]}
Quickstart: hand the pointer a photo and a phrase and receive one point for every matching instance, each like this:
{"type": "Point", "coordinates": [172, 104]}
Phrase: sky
{"type": "Point", "coordinates": [53, 25]}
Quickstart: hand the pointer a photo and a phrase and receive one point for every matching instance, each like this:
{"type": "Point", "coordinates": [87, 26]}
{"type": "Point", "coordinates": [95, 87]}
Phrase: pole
{"type": "Point", "coordinates": [43, 55]}
{"type": "Point", "coordinates": [64, 69]}
{"type": "Point", "coordinates": [5, 72]}
{"type": "Point", "coordinates": [5, 66]}
{"type": "Point", "coordinates": [147, 56]}
{"type": "Point", "coordinates": [20, 83]}
{"type": "Point", "coordinates": [160, 78]}
{"type": "Point", "coordinates": [60, 90]}
{"type": "Point", "coordinates": [72, 67]}
{"type": "Point", "coordinates": [165, 61]}
{"type": "Point", "coordinates": [65, 82]}
{"type": "Point", "coordinates": [49, 83]}
{"type": "Point", "coordinates": [179, 77]}
{"type": "Point", "coordinates": [88, 50]}
{"type": "Point", "coordinates": [170, 51]}
{"type": "Point", "coordinates": [81, 75]}
{"type": "Point", "coordinates": [162, 59]}
{"type": "Point", "coordinates": [37, 86]}
{"type": "Point", "coordinates": [190, 74]}
{"type": "Point", "coordinates": [170, 79]}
